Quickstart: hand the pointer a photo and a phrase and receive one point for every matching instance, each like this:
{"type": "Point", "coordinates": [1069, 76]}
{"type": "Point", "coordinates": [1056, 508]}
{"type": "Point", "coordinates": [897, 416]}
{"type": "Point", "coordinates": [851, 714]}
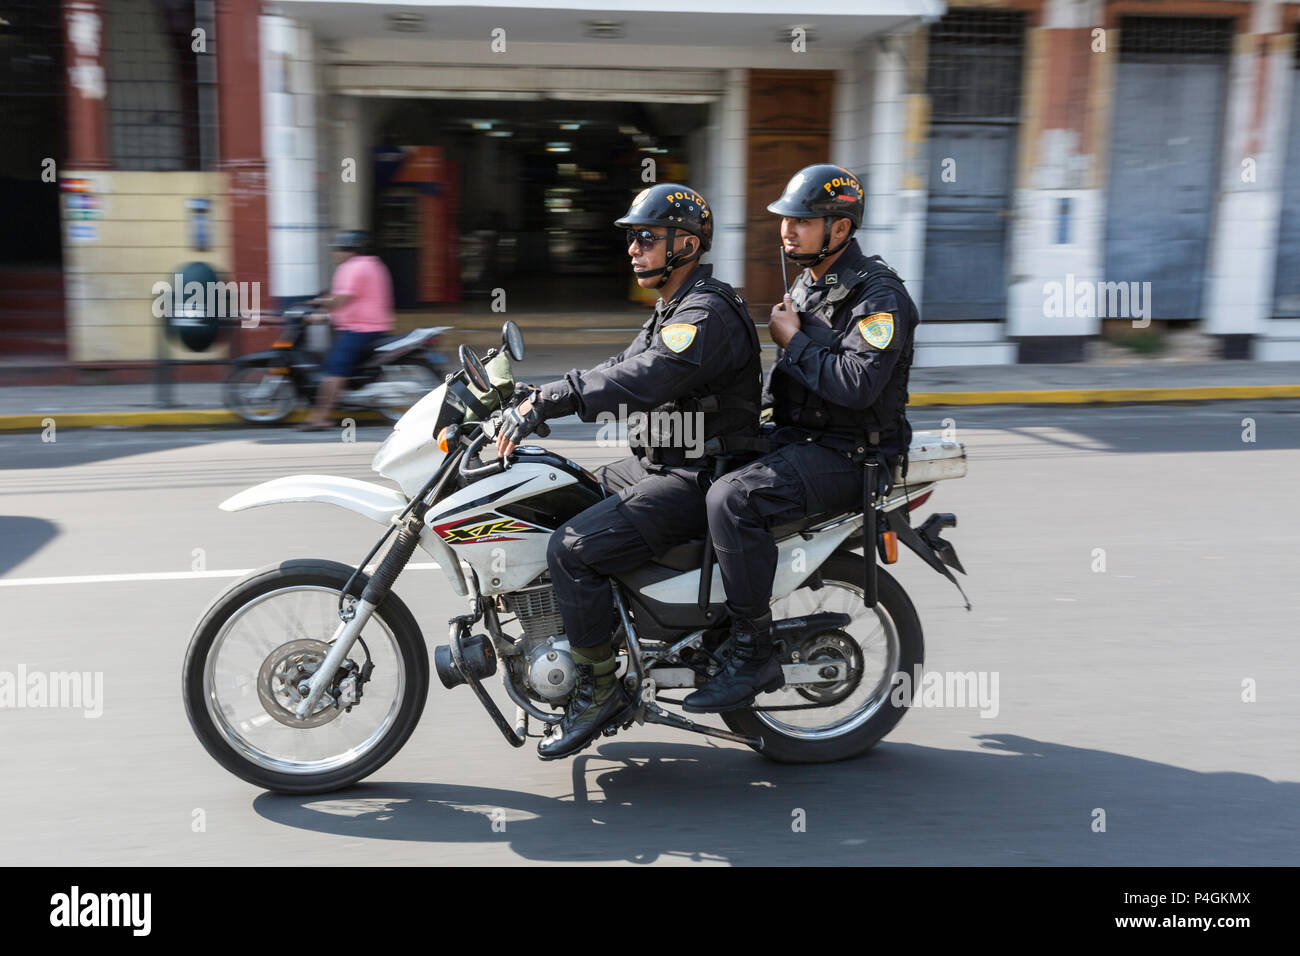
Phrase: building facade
{"type": "Point", "coordinates": [1040, 172]}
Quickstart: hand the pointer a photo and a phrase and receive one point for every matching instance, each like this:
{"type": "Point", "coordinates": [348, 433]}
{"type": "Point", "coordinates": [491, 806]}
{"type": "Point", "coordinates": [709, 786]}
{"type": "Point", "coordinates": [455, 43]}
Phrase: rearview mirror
{"type": "Point", "coordinates": [474, 369]}
{"type": "Point", "coordinates": [513, 340]}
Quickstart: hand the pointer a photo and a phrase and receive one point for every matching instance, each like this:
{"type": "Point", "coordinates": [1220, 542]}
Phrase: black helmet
{"type": "Point", "coordinates": [822, 192]}
{"type": "Point", "coordinates": [675, 207]}
{"type": "Point", "coordinates": [353, 240]}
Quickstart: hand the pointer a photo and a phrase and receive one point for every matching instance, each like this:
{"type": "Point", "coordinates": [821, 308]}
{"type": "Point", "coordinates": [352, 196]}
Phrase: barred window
{"type": "Point", "coordinates": [161, 89]}
{"type": "Point", "coordinates": [974, 64]}
{"type": "Point", "coordinates": [1143, 35]}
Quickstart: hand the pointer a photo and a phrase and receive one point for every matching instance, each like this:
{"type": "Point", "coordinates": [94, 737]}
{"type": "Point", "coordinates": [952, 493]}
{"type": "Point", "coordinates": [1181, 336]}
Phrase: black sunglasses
{"type": "Point", "coordinates": [645, 238]}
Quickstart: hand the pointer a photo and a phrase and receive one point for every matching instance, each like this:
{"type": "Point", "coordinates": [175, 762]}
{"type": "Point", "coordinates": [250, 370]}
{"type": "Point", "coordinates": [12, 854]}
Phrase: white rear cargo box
{"type": "Point", "coordinates": [931, 457]}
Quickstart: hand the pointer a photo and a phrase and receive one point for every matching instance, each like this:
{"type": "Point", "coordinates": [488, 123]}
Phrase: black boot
{"type": "Point", "coordinates": [752, 667]}
{"type": "Point", "coordinates": [598, 700]}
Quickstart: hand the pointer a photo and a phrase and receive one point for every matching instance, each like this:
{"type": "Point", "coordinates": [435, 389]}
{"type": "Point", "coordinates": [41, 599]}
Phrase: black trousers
{"type": "Point", "coordinates": [650, 513]}
{"type": "Point", "coordinates": [791, 482]}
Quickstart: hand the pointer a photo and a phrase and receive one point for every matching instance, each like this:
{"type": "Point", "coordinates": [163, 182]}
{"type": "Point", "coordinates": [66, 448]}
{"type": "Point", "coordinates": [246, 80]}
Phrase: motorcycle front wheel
{"type": "Point", "coordinates": [262, 638]}
{"type": "Point", "coordinates": [840, 719]}
{"type": "Point", "coordinates": [259, 395]}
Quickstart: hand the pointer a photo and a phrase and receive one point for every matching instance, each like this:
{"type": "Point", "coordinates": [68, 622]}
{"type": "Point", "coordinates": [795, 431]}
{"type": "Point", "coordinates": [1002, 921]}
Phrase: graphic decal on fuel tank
{"type": "Point", "coordinates": [482, 528]}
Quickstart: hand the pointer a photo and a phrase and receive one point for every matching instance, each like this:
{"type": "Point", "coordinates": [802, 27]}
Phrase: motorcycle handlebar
{"type": "Point", "coordinates": [482, 471]}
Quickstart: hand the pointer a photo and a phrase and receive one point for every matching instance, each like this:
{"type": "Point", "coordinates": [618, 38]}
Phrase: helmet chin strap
{"type": "Point", "coordinates": [672, 260]}
{"type": "Point", "coordinates": [809, 259]}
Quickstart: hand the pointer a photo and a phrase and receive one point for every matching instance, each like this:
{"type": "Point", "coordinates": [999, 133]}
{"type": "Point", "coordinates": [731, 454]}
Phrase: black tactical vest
{"type": "Point", "coordinates": [884, 424]}
{"type": "Point", "coordinates": [729, 405]}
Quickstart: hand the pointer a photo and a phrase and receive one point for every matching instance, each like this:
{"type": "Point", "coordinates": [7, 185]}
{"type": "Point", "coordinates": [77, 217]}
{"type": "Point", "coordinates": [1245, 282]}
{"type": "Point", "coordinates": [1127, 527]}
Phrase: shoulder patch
{"type": "Point", "coordinates": [678, 336]}
{"type": "Point", "coordinates": [877, 329]}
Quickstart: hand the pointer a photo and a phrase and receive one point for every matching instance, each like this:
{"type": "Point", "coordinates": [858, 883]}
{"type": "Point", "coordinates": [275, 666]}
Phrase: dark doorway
{"type": "Point", "coordinates": [32, 114]}
{"type": "Point", "coordinates": [538, 185]}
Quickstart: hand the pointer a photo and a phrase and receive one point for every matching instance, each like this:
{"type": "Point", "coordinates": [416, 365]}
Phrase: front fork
{"type": "Point", "coordinates": [354, 617]}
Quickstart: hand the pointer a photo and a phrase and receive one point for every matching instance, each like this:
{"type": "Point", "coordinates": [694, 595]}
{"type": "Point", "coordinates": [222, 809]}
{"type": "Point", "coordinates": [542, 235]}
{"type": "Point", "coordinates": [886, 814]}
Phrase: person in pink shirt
{"type": "Point", "coordinates": [361, 304]}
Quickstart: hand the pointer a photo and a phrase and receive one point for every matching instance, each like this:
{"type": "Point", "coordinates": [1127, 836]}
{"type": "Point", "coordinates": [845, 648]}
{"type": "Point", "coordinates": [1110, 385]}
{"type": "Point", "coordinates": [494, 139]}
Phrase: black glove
{"type": "Point", "coordinates": [516, 426]}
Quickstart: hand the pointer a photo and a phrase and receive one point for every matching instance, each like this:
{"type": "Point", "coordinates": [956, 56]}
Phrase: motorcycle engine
{"type": "Point", "coordinates": [545, 665]}
{"type": "Point", "coordinates": [549, 669]}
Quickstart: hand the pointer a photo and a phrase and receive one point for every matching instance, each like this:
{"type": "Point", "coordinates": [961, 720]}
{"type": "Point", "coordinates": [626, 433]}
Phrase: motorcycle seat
{"type": "Point", "coordinates": [690, 555]}
{"type": "Point", "coordinates": [371, 355]}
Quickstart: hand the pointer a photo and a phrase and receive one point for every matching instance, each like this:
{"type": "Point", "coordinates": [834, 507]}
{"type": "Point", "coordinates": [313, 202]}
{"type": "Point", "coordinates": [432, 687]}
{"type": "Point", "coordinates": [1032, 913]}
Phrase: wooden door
{"type": "Point", "coordinates": [789, 128]}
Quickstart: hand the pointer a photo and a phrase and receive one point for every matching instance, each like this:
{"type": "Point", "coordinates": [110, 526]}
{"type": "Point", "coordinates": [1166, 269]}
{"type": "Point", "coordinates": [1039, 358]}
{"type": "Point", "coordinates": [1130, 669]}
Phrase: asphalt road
{"type": "Point", "coordinates": [1119, 690]}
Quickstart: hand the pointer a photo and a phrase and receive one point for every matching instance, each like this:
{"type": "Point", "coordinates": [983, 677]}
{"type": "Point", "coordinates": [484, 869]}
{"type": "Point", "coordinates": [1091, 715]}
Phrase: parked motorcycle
{"type": "Point", "coordinates": [309, 675]}
{"type": "Point", "coordinates": [265, 387]}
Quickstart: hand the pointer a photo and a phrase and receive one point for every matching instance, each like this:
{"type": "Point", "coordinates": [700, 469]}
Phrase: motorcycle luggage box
{"type": "Point", "coordinates": [931, 457]}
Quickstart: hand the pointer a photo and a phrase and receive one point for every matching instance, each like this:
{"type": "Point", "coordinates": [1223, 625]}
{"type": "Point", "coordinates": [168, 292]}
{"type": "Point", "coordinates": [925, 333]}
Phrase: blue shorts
{"type": "Point", "coordinates": [346, 349]}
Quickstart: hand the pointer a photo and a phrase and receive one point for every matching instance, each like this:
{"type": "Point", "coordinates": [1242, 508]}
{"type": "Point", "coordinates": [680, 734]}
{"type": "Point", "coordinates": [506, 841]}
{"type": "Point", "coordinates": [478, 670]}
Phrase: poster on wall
{"type": "Point", "coordinates": [82, 208]}
{"type": "Point", "coordinates": [418, 196]}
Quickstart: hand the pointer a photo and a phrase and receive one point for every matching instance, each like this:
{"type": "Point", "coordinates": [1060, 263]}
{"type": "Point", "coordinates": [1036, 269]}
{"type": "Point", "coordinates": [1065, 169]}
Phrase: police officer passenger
{"type": "Point", "coordinates": [838, 391]}
{"type": "Point", "coordinates": [697, 354]}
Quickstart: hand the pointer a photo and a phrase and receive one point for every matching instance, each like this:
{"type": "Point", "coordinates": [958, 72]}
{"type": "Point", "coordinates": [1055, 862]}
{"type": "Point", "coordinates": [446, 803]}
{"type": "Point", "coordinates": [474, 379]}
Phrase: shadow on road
{"type": "Point", "coordinates": [1017, 801]}
{"type": "Point", "coordinates": [23, 537]}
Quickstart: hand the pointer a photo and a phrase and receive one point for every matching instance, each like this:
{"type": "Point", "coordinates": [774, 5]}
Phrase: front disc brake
{"type": "Point", "coordinates": [283, 670]}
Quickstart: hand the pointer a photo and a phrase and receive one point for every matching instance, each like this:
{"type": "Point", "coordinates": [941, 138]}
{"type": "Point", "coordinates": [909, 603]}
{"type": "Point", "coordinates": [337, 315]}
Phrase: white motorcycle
{"type": "Point", "coordinates": [309, 675]}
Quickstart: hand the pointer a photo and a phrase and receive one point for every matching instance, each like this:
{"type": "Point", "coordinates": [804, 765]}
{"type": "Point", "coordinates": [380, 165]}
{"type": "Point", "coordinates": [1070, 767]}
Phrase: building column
{"type": "Point", "coordinates": [240, 116]}
{"type": "Point", "coordinates": [846, 117]}
{"type": "Point", "coordinates": [728, 253]}
{"type": "Point", "coordinates": [1243, 246]}
{"type": "Point", "coordinates": [1058, 232]}
{"type": "Point", "coordinates": [288, 102]}
{"type": "Point", "coordinates": [87, 86]}
{"type": "Point", "coordinates": [351, 138]}
{"type": "Point", "coordinates": [897, 110]}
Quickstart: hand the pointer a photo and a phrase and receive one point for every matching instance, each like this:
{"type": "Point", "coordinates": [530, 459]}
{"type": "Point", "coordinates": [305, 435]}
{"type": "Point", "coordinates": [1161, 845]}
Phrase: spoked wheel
{"type": "Point", "coordinates": [259, 395]}
{"type": "Point", "coordinates": [852, 712]}
{"type": "Point", "coordinates": [266, 636]}
{"type": "Point", "coordinates": [409, 383]}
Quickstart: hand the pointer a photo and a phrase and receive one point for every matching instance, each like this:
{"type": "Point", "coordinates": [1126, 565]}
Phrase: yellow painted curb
{"type": "Point", "coordinates": [1077, 396]}
{"type": "Point", "coordinates": [1089, 396]}
{"type": "Point", "coordinates": [178, 417]}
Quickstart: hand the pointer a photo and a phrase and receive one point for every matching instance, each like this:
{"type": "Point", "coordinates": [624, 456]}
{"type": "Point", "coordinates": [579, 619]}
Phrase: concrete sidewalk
{"type": "Point", "coordinates": [26, 407]}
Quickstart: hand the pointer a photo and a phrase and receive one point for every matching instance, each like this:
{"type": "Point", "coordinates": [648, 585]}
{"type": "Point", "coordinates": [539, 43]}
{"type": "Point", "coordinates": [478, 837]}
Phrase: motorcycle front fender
{"type": "Point", "coordinates": [372, 501]}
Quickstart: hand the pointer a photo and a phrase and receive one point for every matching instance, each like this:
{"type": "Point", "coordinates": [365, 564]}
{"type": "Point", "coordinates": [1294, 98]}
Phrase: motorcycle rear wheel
{"type": "Point", "coordinates": [418, 377]}
{"type": "Point", "coordinates": [889, 642]}
{"type": "Point", "coordinates": [237, 696]}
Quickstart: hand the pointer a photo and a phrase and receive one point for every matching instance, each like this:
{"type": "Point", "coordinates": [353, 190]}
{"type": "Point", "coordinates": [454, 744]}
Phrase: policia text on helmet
{"type": "Point", "coordinates": [670, 207]}
{"type": "Point", "coordinates": [825, 192]}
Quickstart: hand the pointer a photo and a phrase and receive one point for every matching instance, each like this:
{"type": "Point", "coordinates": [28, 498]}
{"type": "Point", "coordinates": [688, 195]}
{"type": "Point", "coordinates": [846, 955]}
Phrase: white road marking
{"type": "Point", "coordinates": [162, 576]}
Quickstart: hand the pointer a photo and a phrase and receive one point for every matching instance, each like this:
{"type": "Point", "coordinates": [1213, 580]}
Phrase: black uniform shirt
{"type": "Point", "coordinates": [667, 360]}
{"type": "Point", "coordinates": [841, 375]}
{"type": "Point", "coordinates": [691, 344]}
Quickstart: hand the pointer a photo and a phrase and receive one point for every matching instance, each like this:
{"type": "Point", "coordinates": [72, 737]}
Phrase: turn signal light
{"type": "Point", "coordinates": [442, 439]}
{"type": "Point", "coordinates": [890, 541]}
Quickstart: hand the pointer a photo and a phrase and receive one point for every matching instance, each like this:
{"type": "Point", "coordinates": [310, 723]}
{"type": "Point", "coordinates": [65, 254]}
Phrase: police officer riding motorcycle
{"type": "Point", "coordinates": [837, 392]}
{"type": "Point", "coordinates": [697, 359]}
{"type": "Point", "coordinates": [667, 571]}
